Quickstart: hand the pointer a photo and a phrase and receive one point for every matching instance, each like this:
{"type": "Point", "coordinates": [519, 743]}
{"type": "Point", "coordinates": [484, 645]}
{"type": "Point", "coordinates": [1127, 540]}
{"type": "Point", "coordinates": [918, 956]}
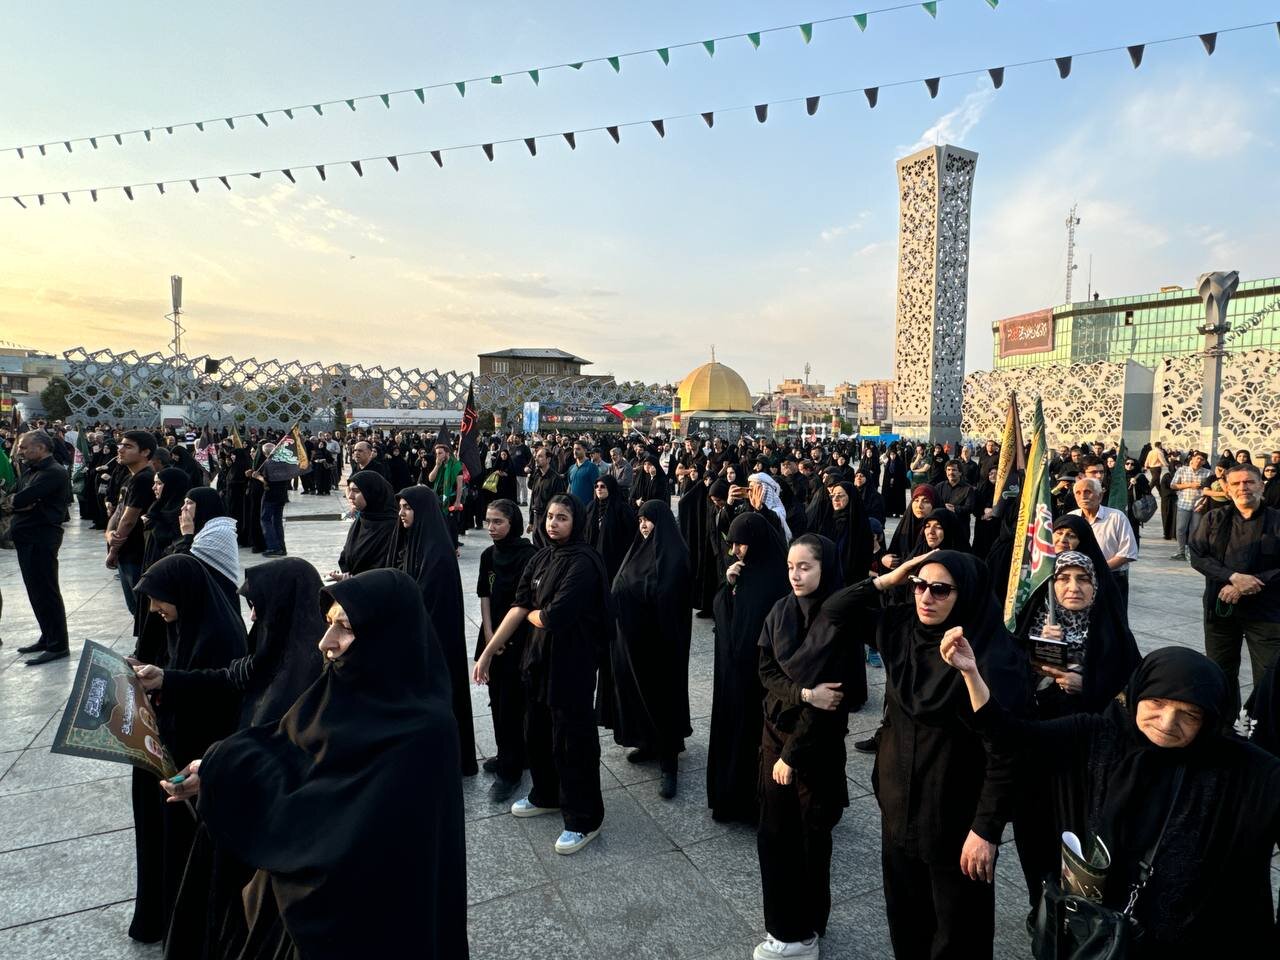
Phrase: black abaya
{"type": "Point", "coordinates": [692, 510]}
{"type": "Point", "coordinates": [611, 526]}
{"type": "Point", "coordinates": [374, 528]}
{"type": "Point", "coordinates": [425, 552]}
{"type": "Point", "coordinates": [350, 809]}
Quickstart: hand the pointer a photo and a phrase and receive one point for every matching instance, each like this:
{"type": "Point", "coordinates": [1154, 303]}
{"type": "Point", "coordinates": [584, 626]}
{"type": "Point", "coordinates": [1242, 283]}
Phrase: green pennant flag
{"type": "Point", "coordinates": [665, 54]}
{"type": "Point", "coordinates": [533, 75]}
{"type": "Point", "coordinates": [861, 20]}
{"type": "Point", "coordinates": [1118, 491]}
{"type": "Point", "coordinates": [496, 78]}
{"type": "Point", "coordinates": [1032, 561]}
{"type": "Point", "coordinates": [462, 87]}
{"type": "Point", "coordinates": [8, 479]}
{"type": "Point", "coordinates": [993, 3]}
{"type": "Point", "coordinates": [616, 64]}
{"type": "Point", "coordinates": [352, 105]}
{"type": "Point", "coordinates": [755, 39]}
{"type": "Point", "coordinates": [931, 8]}
{"type": "Point", "coordinates": [576, 66]}
{"type": "Point", "coordinates": [711, 47]}
{"type": "Point", "coordinates": [386, 100]}
{"type": "Point", "coordinates": [806, 31]}
{"type": "Point", "coordinates": [422, 95]}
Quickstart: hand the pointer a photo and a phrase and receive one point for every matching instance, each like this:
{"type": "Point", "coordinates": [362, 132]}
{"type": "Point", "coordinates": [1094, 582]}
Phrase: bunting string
{"type": "Point", "coordinates": [932, 84]}
{"type": "Point", "coordinates": [534, 74]}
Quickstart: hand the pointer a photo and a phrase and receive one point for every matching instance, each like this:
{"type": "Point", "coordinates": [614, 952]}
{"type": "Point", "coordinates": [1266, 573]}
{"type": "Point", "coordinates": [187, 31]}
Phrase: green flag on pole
{"type": "Point", "coordinates": [8, 479]}
{"type": "Point", "coordinates": [1032, 561]}
{"type": "Point", "coordinates": [1118, 492]}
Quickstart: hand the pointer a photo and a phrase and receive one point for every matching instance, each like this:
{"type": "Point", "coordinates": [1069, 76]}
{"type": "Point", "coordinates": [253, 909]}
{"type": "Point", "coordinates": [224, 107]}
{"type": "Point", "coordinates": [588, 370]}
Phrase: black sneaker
{"type": "Point", "coordinates": [501, 790]}
{"type": "Point", "coordinates": [490, 765]}
{"type": "Point", "coordinates": [869, 745]}
{"type": "Point", "coordinates": [640, 755]}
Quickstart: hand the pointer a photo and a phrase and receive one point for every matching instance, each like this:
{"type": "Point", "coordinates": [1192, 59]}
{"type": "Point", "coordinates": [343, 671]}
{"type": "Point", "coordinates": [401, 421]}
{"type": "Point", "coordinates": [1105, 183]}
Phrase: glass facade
{"type": "Point", "coordinates": [1148, 327]}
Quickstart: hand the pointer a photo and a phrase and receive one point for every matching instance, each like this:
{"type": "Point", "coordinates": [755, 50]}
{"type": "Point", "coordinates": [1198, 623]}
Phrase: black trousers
{"type": "Point", "coordinates": [1223, 638]}
{"type": "Point", "coordinates": [507, 707]}
{"type": "Point", "coordinates": [935, 912]}
{"type": "Point", "coordinates": [793, 841]}
{"type": "Point", "coordinates": [39, 565]}
{"type": "Point", "coordinates": [563, 750]}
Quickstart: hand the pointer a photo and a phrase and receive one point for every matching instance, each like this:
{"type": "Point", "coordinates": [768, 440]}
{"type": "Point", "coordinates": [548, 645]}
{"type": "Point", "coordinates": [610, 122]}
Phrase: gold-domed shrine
{"type": "Point", "coordinates": [713, 387]}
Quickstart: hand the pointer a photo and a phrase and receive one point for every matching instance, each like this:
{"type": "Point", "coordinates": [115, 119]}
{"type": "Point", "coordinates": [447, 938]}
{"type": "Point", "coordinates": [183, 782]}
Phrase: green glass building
{"type": "Point", "coordinates": [1145, 328]}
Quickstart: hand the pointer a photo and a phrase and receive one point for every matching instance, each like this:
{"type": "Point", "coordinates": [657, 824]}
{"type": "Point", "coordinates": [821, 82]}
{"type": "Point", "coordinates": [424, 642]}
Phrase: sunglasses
{"type": "Point", "coordinates": [940, 591]}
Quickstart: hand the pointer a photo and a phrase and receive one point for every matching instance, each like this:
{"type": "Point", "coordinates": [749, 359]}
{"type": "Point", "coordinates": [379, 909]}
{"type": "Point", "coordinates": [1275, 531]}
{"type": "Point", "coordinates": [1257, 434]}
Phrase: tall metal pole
{"type": "Point", "coordinates": [175, 295]}
{"type": "Point", "coordinates": [1072, 222]}
{"type": "Point", "coordinates": [1216, 290]}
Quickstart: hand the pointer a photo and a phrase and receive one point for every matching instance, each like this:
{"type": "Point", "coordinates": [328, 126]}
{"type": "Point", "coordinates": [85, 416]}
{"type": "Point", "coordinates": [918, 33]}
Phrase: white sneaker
{"type": "Point", "coordinates": [571, 842]}
{"type": "Point", "coordinates": [524, 808]}
{"type": "Point", "coordinates": [773, 949]}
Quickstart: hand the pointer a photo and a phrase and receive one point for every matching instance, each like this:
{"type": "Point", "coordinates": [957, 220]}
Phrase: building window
{"type": "Point", "coordinates": [501, 366]}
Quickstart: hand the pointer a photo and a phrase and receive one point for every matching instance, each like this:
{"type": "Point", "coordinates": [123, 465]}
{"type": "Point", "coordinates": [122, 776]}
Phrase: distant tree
{"type": "Point", "coordinates": [54, 399]}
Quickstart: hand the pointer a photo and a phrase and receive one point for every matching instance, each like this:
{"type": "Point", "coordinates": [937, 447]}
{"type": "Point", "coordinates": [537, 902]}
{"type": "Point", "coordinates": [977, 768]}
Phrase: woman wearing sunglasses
{"type": "Point", "coordinates": [945, 794]}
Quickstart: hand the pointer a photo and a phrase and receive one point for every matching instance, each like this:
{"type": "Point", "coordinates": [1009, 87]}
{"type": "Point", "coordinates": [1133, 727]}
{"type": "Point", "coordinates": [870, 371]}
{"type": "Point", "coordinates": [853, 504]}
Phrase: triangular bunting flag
{"type": "Point", "coordinates": [160, 187]}
{"type": "Point", "coordinates": [576, 66]}
{"type": "Point", "coordinates": [532, 144]}
{"type": "Point", "coordinates": [571, 141]}
{"type": "Point", "coordinates": [496, 78]}
{"type": "Point", "coordinates": [806, 31]}
{"type": "Point", "coordinates": [533, 75]}
{"type": "Point", "coordinates": [128, 192]}
{"type": "Point", "coordinates": [40, 196]}
{"type": "Point", "coordinates": [931, 8]}
{"type": "Point", "coordinates": [318, 109]}
{"type": "Point", "coordinates": [195, 188]}
{"type": "Point", "coordinates": [462, 87]}
{"type": "Point", "coordinates": [67, 197]}
{"type": "Point", "coordinates": [932, 84]}
{"type": "Point", "coordinates": [288, 113]}
{"type": "Point", "coordinates": [92, 140]}
{"type": "Point", "coordinates": [755, 39]}
{"type": "Point", "coordinates": [256, 176]}
{"type": "Point", "coordinates": [762, 112]}
{"type": "Point", "coordinates": [710, 46]}
{"type": "Point", "coordinates": [18, 201]}
{"type": "Point", "coordinates": [660, 127]}
{"type": "Point", "coordinates": [993, 3]}
{"type": "Point", "coordinates": [665, 54]}
{"type": "Point", "coordinates": [67, 144]}
{"type": "Point", "coordinates": [709, 119]}
{"type": "Point", "coordinates": [230, 123]}
{"type": "Point", "coordinates": [872, 94]}
{"type": "Point", "coordinates": [42, 153]}
{"type": "Point", "coordinates": [422, 95]}
{"type": "Point", "coordinates": [145, 133]}
{"type": "Point", "coordinates": [1064, 66]}
{"type": "Point", "coordinates": [811, 105]}
{"type": "Point", "coordinates": [289, 174]}
{"type": "Point", "coordinates": [395, 163]}
{"type": "Point", "coordinates": [613, 132]}
{"type": "Point", "coordinates": [264, 120]}
{"type": "Point", "coordinates": [225, 182]}
{"type": "Point", "coordinates": [488, 150]}
{"type": "Point", "coordinates": [320, 170]}
{"type": "Point", "coordinates": [997, 77]}
{"type": "Point", "coordinates": [616, 64]}
{"type": "Point", "coordinates": [435, 155]}
{"type": "Point", "coordinates": [21, 156]}
{"type": "Point", "coordinates": [170, 129]}
{"type": "Point", "coordinates": [1135, 54]}
{"type": "Point", "coordinates": [358, 169]}
{"type": "Point", "coordinates": [352, 105]}
{"type": "Point", "coordinates": [1210, 41]}
{"type": "Point", "coordinates": [386, 100]}
{"type": "Point", "coordinates": [94, 194]}
{"type": "Point", "coordinates": [861, 20]}
{"type": "Point", "coordinates": [120, 139]}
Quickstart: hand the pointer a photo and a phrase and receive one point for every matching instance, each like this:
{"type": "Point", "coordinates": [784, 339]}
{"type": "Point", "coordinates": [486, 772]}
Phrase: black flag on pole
{"type": "Point", "coordinates": [468, 451]}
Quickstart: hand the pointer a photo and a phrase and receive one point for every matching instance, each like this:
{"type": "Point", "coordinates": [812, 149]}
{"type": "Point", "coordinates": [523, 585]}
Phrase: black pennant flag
{"type": "Point", "coordinates": [1135, 54]}
{"type": "Point", "coordinates": [762, 112]}
{"type": "Point", "coordinates": [40, 197]}
{"type": "Point", "coordinates": [128, 192]}
{"type": "Point", "coordinates": [660, 127]}
{"type": "Point", "coordinates": [225, 182]}
{"type": "Point", "coordinates": [569, 139]}
{"type": "Point", "coordinates": [997, 77]}
{"type": "Point", "coordinates": [395, 163]}
{"type": "Point", "coordinates": [873, 94]}
{"type": "Point", "coordinates": [709, 119]}
{"type": "Point", "coordinates": [1210, 41]}
{"type": "Point", "coordinates": [94, 194]}
{"type": "Point", "coordinates": [435, 155]}
{"type": "Point", "coordinates": [145, 133]}
{"type": "Point", "coordinates": [195, 187]}
{"type": "Point", "coordinates": [18, 201]}
{"type": "Point", "coordinates": [320, 170]}
{"type": "Point", "coordinates": [488, 150]}
{"type": "Point", "coordinates": [256, 176]}
{"type": "Point", "coordinates": [811, 105]}
{"type": "Point", "coordinates": [613, 132]}
{"type": "Point", "coordinates": [1064, 66]}
{"type": "Point", "coordinates": [359, 169]}
{"type": "Point", "coordinates": [932, 84]}
{"type": "Point", "coordinates": [468, 450]}
{"type": "Point", "coordinates": [289, 173]}
{"type": "Point", "coordinates": [160, 187]}
{"type": "Point", "coordinates": [67, 197]}
{"type": "Point", "coordinates": [532, 144]}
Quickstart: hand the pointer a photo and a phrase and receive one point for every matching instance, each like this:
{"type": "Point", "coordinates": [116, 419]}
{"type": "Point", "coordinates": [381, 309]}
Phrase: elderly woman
{"type": "Point", "coordinates": [1157, 756]}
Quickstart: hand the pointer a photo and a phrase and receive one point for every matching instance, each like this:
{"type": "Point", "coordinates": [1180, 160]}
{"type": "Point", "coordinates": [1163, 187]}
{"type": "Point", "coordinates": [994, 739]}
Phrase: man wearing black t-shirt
{"type": "Point", "coordinates": [124, 529]}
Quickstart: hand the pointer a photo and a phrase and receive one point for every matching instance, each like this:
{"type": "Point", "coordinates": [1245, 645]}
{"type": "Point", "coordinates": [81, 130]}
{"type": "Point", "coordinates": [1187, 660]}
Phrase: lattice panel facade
{"type": "Point", "coordinates": [128, 388]}
{"type": "Point", "coordinates": [1082, 402]}
{"type": "Point", "coordinates": [1250, 412]}
{"type": "Point", "coordinates": [935, 188]}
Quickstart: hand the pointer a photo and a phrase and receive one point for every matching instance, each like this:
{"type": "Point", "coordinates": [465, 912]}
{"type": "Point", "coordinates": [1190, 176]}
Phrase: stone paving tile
{"type": "Point", "coordinates": [7, 760]}
{"type": "Point", "coordinates": [59, 878]}
{"type": "Point", "coordinates": [41, 770]}
{"type": "Point", "coordinates": [500, 860]}
{"type": "Point", "coordinates": [535, 923]}
{"type": "Point", "coordinates": [63, 813]}
{"type": "Point", "coordinates": [101, 933]}
{"type": "Point", "coordinates": [17, 733]}
{"type": "Point", "coordinates": [628, 834]}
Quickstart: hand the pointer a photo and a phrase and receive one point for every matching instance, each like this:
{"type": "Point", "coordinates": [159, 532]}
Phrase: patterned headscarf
{"type": "Point", "coordinates": [773, 499]}
{"type": "Point", "coordinates": [1074, 623]}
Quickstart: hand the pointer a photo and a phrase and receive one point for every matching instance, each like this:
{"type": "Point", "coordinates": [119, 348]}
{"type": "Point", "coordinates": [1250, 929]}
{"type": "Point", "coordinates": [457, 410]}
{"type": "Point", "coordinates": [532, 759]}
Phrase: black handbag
{"type": "Point", "coordinates": [1070, 927]}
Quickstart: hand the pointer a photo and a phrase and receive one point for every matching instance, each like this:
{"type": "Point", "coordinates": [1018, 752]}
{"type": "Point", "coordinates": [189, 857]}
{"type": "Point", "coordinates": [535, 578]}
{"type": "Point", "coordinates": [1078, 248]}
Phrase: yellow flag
{"type": "Point", "coordinates": [1012, 455]}
{"type": "Point", "coordinates": [300, 450]}
{"type": "Point", "coordinates": [235, 438]}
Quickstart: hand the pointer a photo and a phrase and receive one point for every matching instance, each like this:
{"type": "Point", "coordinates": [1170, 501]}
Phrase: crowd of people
{"type": "Point", "coordinates": [819, 563]}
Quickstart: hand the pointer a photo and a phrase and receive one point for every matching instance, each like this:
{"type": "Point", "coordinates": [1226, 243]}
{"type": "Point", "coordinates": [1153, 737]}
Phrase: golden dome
{"type": "Point", "coordinates": [713, 386]}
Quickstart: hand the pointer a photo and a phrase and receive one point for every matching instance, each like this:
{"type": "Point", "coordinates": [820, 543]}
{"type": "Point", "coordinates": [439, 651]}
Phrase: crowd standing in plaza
{"type": "Point", "coordinates": [315, 774]}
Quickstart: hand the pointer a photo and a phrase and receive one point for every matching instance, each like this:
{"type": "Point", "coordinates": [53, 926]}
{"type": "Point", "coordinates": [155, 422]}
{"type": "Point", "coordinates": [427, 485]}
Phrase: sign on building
{"type": "Point", "coordinates": [1027, 333]}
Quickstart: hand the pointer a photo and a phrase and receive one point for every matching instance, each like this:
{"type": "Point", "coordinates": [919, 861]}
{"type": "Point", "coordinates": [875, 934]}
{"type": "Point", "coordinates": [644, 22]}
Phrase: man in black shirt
{"type": "Point", "coordinates": [1237, 549]}
{"type": "Point", "coordinates": [957, 496]}
{"type": "Point", "coordinates": [40, 509]}
{"type": "Point", "coordinates": [124, 529]}
{"type": "Point", "coordinates": [544, 483]}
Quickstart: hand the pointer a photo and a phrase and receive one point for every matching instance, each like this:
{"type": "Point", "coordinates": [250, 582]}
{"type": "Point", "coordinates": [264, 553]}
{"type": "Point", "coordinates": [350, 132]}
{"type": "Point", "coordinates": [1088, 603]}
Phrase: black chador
{"type": "Point", "coordinates": [733, 756]}
{"type": "Point", "coordinates": [425, 552]}
{"type": "Point", "coordinates": [350, 809]}
{"type": "Point", "coordinates": [650, 650]}
{"type": "Point", "coordinates": [374, 527]}
{"type": "Point", "coordinates": [693, 510]}
{"type": "Point", "coordinates": [611, 526]}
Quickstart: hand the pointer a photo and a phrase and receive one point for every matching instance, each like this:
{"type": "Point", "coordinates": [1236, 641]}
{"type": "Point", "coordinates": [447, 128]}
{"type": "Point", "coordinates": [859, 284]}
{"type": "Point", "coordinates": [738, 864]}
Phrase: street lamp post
{"type": "Point", "coordinates": [1216, 290]}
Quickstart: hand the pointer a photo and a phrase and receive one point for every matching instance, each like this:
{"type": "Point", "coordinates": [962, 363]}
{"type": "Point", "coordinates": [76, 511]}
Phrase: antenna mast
{"type": "Point", "coordinates": [1072, 222]}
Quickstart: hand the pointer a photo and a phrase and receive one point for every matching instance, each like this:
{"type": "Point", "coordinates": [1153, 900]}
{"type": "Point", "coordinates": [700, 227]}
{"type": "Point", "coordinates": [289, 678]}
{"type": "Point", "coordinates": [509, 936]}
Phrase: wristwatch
{"type": "Point", "coordinates": [805, 694]}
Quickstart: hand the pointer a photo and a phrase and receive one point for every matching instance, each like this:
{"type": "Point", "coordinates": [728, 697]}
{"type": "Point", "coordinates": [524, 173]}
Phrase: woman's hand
{"type": "Point", "coordinates": [956, 651]}
{"type": "Point", "coordinates": [888, 561]}
{"type": "Point", "coordinates": [150, 676]}
{"type": "Point", "coordinates": [825, 696]}
{"type": "Point", "coordinates": [734, 570]}
{"type": "Point", "coordinates": [898, 575]}
{"type": "Point", "coordinates": [188, 788]}
{"type": "Point", "coordinates": [978, 858]}
{"type": "Point", "coordinates": [1067, 680]}
{"type": "Point", "coordinates": [480, 674]}
{"type": "Point", "coordinates": [1051, 631]}
{"type": "Point", "coordinates": [782, 773]}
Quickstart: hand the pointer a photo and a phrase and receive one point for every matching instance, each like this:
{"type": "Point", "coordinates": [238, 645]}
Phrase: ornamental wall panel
{"type": "Point", "coordinates": [1250, 409]}
{"type": "Point", "coordinates": [935, 190]}
{"type": "Point", "coordinates": [1082, 401]}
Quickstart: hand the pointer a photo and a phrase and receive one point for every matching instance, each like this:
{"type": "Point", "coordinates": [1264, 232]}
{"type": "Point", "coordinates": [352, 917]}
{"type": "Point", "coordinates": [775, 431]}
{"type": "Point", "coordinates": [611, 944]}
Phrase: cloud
{"type": "Point", "coordinates": [954, 125]}
{"type": "Point", "coordinates": [305, 221]}
{"type": "Point", "coordinates": [534, 286]}
{"type": "Point", "coordinates": [1216, 128]}
{"type": "Point", "coordinates": [833, 233]}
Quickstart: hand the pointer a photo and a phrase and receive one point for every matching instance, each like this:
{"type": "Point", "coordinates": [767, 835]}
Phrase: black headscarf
{"type": "Point", "coordinates": [952, 534]}
{"type": "Point", "coordinates": [374, 528]}
{"type": "Point", "coordinates": [287, 627]}
{"type": "Point", "coordinates": [850, 531]}
{"type": "Point", "coordinates": [208, 503]}
{"type": "Point", "coordinates": [425, 552]}
{"type": "Point", "coordinates": [610, 526]}
{"type": "Point", "coordinates": [163, 514]}
{"type": "Point", "coordinates": [803, 653]}
{"type": "Point", "coordinates": [352, 805]}
{"type": "Point", "coordinates": [1088, 546]}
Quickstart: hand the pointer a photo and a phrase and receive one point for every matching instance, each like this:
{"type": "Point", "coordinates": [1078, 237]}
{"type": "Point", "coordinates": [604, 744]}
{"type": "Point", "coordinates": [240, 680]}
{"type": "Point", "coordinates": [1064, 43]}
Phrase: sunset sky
{"type": "Point", "coordinates": [775, 242]}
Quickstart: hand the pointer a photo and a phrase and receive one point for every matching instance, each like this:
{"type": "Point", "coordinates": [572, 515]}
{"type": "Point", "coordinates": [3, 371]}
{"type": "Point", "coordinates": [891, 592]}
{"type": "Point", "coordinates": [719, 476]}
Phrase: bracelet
{"type": "Point", "coordinates": [805, 694]}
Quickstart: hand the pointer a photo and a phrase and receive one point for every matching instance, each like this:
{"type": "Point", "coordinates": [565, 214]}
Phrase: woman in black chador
{"type": "Point", "coordinates": [812, 669]}
{"type": "Point", "coordinates": [611, 524]}
{"type": "Point", "coordinates": [755, 581]}
{"type": "Point", "coordinates": [283, 595]}
{"type": "Point", "coordinates": [200, 630]}
{"type": "Point", "coordinates": [234, 484]}
{"type": "Point", "coordinates": [501, 566]}
{"type": "Point", "coordinates": [349, 810]}
{"type": "Point", "coordinates": [650, 650]}
{"type": "Point", "coordinates": [422, 547]}
{"type": "Point", "coordinates": [564, 595]}
{"type": "Point", "coordinates": [374, 527]}
{"type": "Point", "coordinates": [1159, 752]}
{"type": "Point", "coordinates": [161, 518]}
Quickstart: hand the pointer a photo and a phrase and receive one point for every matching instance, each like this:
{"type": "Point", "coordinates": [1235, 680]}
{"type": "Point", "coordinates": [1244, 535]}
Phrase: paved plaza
{"type": "Point", "coordinates": [663, 879]}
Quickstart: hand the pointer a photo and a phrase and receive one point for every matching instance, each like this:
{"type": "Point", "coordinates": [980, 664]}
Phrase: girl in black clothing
{"type": "Point", "coordinates": [564, 595]}
{"type": "Point", "coordinates": [374, 527]}
{"type": "Point", "coordinates": [650, 483]}
{"type": "Point", "coordinates": [813, 674]}
{"type": "Point", "coordinates": [501, 566]}
{"type": "Point", "coordinates": [944, 793]}
{"type": "Point", "coordinates": [161, 518]}
{"type": "Point", "coordinates": [610, 524]}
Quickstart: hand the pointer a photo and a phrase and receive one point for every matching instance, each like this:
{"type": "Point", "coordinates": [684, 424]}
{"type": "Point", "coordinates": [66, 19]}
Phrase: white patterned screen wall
{"type": "Point", "coordinates": [935, 189]}
{"type": "Point", "coordinates": [1082, 401]}
{"type": "Point", "coordinates": [1250, 414]}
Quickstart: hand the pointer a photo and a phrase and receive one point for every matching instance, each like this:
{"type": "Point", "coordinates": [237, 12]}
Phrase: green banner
{"type": "Point", "coordinates": [1032, 561]}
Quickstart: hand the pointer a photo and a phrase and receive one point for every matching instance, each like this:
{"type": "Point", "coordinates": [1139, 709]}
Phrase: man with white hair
{"type": "Point", "coordinates": [1111, 529]}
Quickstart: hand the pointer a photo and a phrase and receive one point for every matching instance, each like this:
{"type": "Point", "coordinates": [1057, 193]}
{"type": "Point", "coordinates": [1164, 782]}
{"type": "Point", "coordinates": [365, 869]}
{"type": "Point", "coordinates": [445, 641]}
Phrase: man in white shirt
{"type": "Point", "coordinates": [1110, 528]}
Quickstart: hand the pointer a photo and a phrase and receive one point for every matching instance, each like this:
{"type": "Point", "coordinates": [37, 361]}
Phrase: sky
{"type": "Point", "coordinates": [774, 242]}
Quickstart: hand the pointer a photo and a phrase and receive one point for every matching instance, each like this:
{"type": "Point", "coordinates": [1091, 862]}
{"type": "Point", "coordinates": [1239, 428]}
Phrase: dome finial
{"type": "Point", "coordinates": [713, 353]}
